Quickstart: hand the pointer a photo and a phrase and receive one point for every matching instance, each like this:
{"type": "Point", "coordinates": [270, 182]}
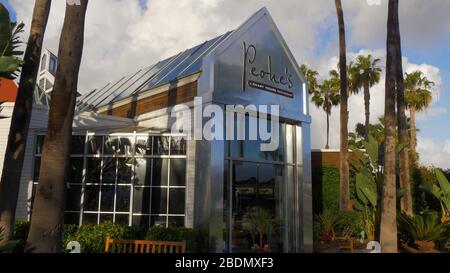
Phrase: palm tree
{"type": "Point", "coordinates": [406, 202]}
{"type": "Point", "coordinates": [418, 98]}
{"type": "Point", "coordinates": [9, 42]}
{"type": "Point", "coordinates": [49, 204]}
{"type": "Point", "coordinates": [367, 74]}
{"type": "Point", "coordinates": [311, 77]}
{"type": "Point", "coordinates": [326, 97]}
{"type": "Point", "coordinates": [344, 196]}
{"type": "Point", "coordinates": [20, 120]}
{"type": "Point", "coordinates": [388, 209]}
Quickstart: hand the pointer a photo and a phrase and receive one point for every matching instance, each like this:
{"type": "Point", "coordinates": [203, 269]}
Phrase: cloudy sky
{"type": "Point", "coordinates": [125, 35]}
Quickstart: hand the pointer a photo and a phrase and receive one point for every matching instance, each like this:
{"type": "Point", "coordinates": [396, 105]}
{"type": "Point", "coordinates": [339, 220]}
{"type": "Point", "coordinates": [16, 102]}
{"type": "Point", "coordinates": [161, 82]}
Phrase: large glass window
{"type": "Point", "coordinates": [130, 180]}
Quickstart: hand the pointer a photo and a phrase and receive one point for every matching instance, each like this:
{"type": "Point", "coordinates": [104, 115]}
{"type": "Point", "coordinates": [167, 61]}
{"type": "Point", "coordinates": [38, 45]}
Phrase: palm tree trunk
{"type": "Point", "coordinates": [367, 109]}
{"type": "Point", "coordinates": [344, 197]}
{"type": "Point", "coordinates": [412, 122]}
{"type": "Point", "coordinates": [327, 146]}
{"type": "Point", "coordinates": [20, 121]}
{"type": "Point", "coordinates": [406, 203]}
{"type": "Point", "coordinates": [388, 219]}
{"type": "Point", "coordinates": [49, 204]}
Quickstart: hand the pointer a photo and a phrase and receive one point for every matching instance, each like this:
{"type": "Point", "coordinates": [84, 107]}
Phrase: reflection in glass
{"type": "Point", "coordinates": [142, 171]}
{"type": "Point", "coordinates": [93, 170]}
{"type": "Point", "coordinates": [143, 145]}
{"type": "Point", "coordinates": [176, 221]}
{"type": "Point", "coordinates": [178, 146]}
{"type": "Point", "coordinates": [76, 170]}
{"type": "Point", "coordinates": [95, 145]}
{"type": "Point", "coordinates": [176, 201]}
{"type": "Point", "coordinates": [106, 217]}
{"type": "Point", "coordinates": [37, 167]}
{"type": "Point", "coordinates": [140, 220]}
{"type": "Point", "coordinates": [161, 145]}
{"type": "Point", "coordinates": [160, 170]}
{"type": "Point", "coordinates": [177, 172]}
{"type": "Point", "coordinates": [39, 144]}
{"type": "Point", "coordinates": [77, 147]}
{"type": "Point", "coordinates": [107, 199]}
{"type": "Point", "coordinates": [141, 200]}
{"type": "Point", "coordinates": [73, 197]}
{"type": "Point", "coordinates": [109, 171]}
{"type": "Point", "coordinates": [123, 199]}
{"type": "Point", "coordinates": [90, 218]}
{"type": "Point", "coordinates": [125, 171]}
{"type": "Point", "coordinates": [91, 195]}
{"type": "Point", "coordinates": [159, 200]}
{"type": "Point", "coordinates": [158, 221]}
{"type": "Point", "coordinates": [122, 219]}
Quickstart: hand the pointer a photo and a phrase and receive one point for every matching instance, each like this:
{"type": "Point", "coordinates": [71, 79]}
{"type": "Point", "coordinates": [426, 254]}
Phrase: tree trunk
{"type": "Point", "coordinates": [20, 121]}
{"type": "Point", "coordinates": [48, 208]}
{"type": "Point", "coordinates": [367, 109]}
{"type": "Point", "coordinates": [412, 124]}
{"type": "Point", "coordinates": [388, 219]}
{"type": "Point", "coordinates": [344, 196]}
{"type": "Point", "coordinates": [327, 146]}
{"type": "Point", "coordinates": [406, 203]}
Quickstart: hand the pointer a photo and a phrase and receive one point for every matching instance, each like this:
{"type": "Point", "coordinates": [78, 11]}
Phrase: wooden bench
{"type": "Point", "coordinates": [142, 246]}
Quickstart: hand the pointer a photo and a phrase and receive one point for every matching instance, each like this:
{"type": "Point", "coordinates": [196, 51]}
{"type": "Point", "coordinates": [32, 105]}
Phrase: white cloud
{"type": "Point", "coordinates": [433, 153]}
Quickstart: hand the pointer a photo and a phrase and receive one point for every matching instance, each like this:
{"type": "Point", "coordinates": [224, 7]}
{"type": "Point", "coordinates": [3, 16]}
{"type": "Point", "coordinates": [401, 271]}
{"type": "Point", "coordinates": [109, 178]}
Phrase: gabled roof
{"type": "Point", "coordinates": [181, 65]}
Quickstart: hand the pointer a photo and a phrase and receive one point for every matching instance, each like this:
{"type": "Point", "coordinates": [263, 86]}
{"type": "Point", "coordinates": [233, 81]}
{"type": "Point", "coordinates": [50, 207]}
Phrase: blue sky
{"type": "Point", "coordinates": [128, 35]}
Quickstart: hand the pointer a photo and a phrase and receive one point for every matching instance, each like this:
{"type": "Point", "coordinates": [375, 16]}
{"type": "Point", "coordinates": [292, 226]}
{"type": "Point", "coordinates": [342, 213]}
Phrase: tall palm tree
{"type": "Point", "coordinates": [344, 196]}
{"type": "Point", "coordinates": [20, 120]}
{"type": "Point", "coordinates": [418, 98]}
{"type": "Point", "coordinates": [311, 77]}
{"type": "Point", "coordinates": [406, 202]}
{"type": "Point", "coordinates": [388, 209]}
{"type": "Point", "coordinates": [326, 97]}
{"type": "Point", "coordinates": [367, 74]}
{"type": "Point", "coordinates": [49, 204]}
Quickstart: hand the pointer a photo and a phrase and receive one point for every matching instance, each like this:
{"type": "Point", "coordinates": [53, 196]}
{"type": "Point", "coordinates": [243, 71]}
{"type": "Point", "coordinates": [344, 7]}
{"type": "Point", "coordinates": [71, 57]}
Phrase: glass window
{"type": "Point", "coordinates": [109, 171]}
{"type": "Point", "coordinates": [107, 200]}
{"type": "Point", "coordinates": [178, 146]}
{"type": "Point", "coordinates": [122, 219]}
{"type": "Point", "coordinates": [124, 170]}
{"type": "Point", "coordinates": [289, 143]}
{"type": "Point", "coordinates": [42, 84]}
{"type": "Point", "coordinates": [39, 144]}
{"type": "Point", "coordinates": [43, 62]}
{"type": "Point", "coordinates": [95, 145]}
{"type": "Point", "coordinates": [77, 147]}
{"type": "Point", "coordinates": [52, 65]}
{"type": "Point", "coordinates": [93, 170]}
{"type": "Point", "coordinates": [143, 145]}
{"type": "Point", "coordinates": [91, 194]}
{"type": "Point", "coordinates": [141, 220]}
{"type": "Point", "coordinates": [73, 197]}
{"type": "Point", "coordinates": [90, 218]}
{"type": "Point", "coordinates": [176, 201]}
{"type": "Point", "coordinates": [159, 200]}
{"type": "Point", "coordinates": [106, 217]}
{"type": "Point", "coordinates": [161, 145]}
{"type": "Point", "coordinates": [141, 200]}
{"type": "Point", "coordinates": [158, 221]}
{"type": "Point", "coordinates": [71, 218]}
{"type": "Point", "coordinates": [111, 145]}
{"type": "Point", "coordinates": [37, 167]}
{"type": "Point", "coordinates": [76, 170]}
{"type": "Point", "coordinates": [123, 199]}
{"type": "Point", "coordinates": [160, 170]}
{"type": "Point", "coordinates": [175, 221]}
{"type": "Point", "coordinates": [142, 171]}
{"type": "Point", "coordinates": [48, 85]}
{"type": "Point", "coordinates": [298, 135]}
{"type": "Point", "coordinates": [177, 172]}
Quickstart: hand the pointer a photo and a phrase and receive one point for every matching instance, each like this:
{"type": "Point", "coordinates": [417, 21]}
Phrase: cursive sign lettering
{"type": "Point", "coordinates": [250, 55]}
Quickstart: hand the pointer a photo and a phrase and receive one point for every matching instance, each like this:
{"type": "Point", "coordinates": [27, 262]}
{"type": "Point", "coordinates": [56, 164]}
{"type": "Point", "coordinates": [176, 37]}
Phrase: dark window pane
{"type": "Point", "coordinates": [37, 167]}
{"type": "Point", "coordinates": [76, 170]}
{"type": "Point", "coordinates": [109, 171]}
{"type": "Point", "coordinates": [90, 218]}
{"type": "Point", "coordinates": [177, 172]}
{"type": "Point", "coordinates": [125, 146]}
{"type": "Point", "coordinates": [140, 220]}
{"type": "Point", "coordinates": [144, 145]}
{"type": "Point", "coordinates": [141, 200]}
{"type": "Point", "coordinates": [111, 145]}
{"type": "Point", "coordinates": [71, 218]}
{"type": "Point", "coordinates": [123, 199]}
{"type": "Point", "coordinates": [95, 145]}
{"type": "Point", "coordinates": [122, 219]}
{"type": "Point", "coordinates": [158, 221]}
{"type": "Point", "coordinates": [160, 170]}
{"type": "Point", "coordinates": [73, 198]}
{"type": "Point", "coordinates": [77, 145]}
{"type": "Point", "coordinates": [91, 195]}
{"type": "Point", "coordinates": [93, 170]}
{"type": "Point", "coordinates": [39, 144]}
{"type": "Point", "coordinates": [176, 201]}
{"type": "Point", "coordinates": [142, 171]}
{"type": "Point", "coordinates": [159, 200]}
{"type": "Point", "coordinates": [125, 171]}
{"type": "Point", "coordinates": [161, 145]}
{"type": "Point", "coordinates": [178, 146]}
{"type": "Point", "coordinates": [107, 199]}
{"type": "Point", "coordinates": [106, 218]}
{"type": "Point", "coordinates": [175, 221]}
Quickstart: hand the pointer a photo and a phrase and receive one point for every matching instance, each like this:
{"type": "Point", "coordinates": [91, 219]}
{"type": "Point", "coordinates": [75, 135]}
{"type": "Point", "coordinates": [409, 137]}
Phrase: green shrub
{"type": "Point", "coordinates": [157, 233]}
{"type": "Point", "coordinates": [325, 188]}
{"type": "Point", "coordinates": [426, 227]}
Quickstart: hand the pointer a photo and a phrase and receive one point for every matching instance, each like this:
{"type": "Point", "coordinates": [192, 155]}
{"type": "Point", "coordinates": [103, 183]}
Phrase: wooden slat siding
{"type": "Point", "coordinates": [141, 246]}
{"type": "Point", "coordinates": [176, 95]}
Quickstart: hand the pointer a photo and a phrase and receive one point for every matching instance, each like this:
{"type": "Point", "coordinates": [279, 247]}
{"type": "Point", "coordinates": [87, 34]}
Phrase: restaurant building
{"type": "Point", "coordinates": [128, 165]}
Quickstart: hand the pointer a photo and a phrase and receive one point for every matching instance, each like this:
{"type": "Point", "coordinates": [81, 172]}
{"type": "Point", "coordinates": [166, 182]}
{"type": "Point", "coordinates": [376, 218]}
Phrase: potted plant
{"type": "Point", "coordinates": [424, 230]}
{"type": "Point", "coordinates": [262, 226]}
